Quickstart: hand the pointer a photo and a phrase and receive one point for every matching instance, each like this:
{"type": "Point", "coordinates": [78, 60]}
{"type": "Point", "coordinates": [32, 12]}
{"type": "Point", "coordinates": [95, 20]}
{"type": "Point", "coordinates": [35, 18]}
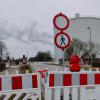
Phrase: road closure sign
{"type": "Point", "coordinates": [62, 40]}
{"type": "Point", "coordinates": [61, 21]}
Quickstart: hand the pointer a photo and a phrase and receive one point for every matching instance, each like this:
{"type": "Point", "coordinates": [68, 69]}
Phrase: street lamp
{"type": "Point", "coordinates": [89, 28]}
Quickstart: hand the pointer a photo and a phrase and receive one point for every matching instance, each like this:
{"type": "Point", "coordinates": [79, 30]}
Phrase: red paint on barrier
{"type": "Point", "coordinates": [51, 80]}
{"type": "Point", "coordinates": [34, 81]}
{"type": "Point", "coordinates": [83, 79]}
{"type": "Point", "coordinates": [97, 78]}
{"type": "Point", "coordinates": [67, 79]}
{"type": "Point", "coordinates": [16, 82]}
{"type": "Point", "coordinates": [42, 72]}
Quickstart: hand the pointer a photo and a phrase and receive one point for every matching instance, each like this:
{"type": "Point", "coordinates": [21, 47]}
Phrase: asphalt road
{"type": "Point", "coordinates": [49, 67]}
{"type": "Point", "coordinates": [35, 66]}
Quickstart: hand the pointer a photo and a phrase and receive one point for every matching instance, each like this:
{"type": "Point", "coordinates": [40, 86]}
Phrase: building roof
{"type": "Point", "coordinates": [78, 28]}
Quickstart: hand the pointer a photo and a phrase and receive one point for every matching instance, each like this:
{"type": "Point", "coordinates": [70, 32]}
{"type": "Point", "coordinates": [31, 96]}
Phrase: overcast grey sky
{"type": "Point", "coordinates": [25, 21]}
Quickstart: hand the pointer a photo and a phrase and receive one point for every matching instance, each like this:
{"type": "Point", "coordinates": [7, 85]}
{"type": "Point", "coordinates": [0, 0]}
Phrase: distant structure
{"type": "Point", "coordinates": [4, 53]}
{"type": "Point", "coordinates": [24, 59]}
{"type": "Point", "coordinates": [80, 28]}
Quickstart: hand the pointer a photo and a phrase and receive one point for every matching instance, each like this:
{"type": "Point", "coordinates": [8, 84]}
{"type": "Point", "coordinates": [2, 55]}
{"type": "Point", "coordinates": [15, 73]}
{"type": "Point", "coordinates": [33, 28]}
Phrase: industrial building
{"type": "Point", "coordinates": [84, 28]}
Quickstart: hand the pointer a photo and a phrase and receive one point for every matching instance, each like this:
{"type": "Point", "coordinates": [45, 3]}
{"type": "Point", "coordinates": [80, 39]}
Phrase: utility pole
{"type": "Point", "coordinates": [89, 28]}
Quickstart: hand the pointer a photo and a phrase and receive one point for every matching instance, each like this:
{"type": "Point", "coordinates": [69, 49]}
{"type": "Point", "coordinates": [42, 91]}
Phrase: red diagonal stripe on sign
{"type": "Point", "coordinates": [67, 79]}
{"type": "Point", "coordinates": [83, 79]}
{"type": "Point", "coordinates": [51, 80]}
{"type": "Point", "coordinates": [34, 81]}
{"type": "Point", "coordinates": [16, 82]}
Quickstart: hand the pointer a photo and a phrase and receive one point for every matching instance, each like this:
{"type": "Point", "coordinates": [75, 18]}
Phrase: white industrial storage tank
{"type": "Point", "coordinates": [80, 28]}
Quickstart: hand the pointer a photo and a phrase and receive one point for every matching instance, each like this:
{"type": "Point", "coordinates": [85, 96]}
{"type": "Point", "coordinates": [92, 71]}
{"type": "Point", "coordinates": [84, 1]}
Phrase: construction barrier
{"type": "Point", "coordinates": [43, 72]}
{"type": "Point", "coordinates": [84, 85]}
{"type": "Point", "coordinates": [55, 85]}
{"type": "Point", "coordinates": [20, 87]}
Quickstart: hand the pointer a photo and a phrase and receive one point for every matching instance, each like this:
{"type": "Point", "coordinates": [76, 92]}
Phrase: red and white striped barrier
{"type": "Point", "coordinates": [74, 83]}
{"type": "Point", "coordinates": [74, 79]}
{"type": "Point", "coordinates": [42, 72]}
{"type": "Point", "coordinates": [21, 82]}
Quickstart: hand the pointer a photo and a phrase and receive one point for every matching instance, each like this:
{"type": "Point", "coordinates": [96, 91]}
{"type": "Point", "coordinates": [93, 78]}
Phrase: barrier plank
{"type": "Point", "coordinates": [48, 95]}
{"type": "Point", "coordinates": [97, 78]}
{"type": "Point", "coordinates": [57, 95]}
{"type": "Point", "coordinates": [74, 93]}
{"type": "Point", "coordinates": [20, 84]}
{"type": "Point", "coordinates": [67, 80]}
{"type": "Point", "coordinates": [77, 81]}
{"type": "Point", "coordinates": [16, 82]}
{"type": "Point", "coordinates": [66, 93]}
{"type": "Point", "coordinates": [51, 80]}
{"type": "Point", "coordinates": [83, 79]}
{"type": "Point", "coordinates": [34, 81]}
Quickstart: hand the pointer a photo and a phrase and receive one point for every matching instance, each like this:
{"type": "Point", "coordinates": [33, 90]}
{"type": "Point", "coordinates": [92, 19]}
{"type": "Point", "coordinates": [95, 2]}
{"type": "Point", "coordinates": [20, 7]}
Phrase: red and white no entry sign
{"type": "Point", "coordinates": [62, 40]}
{"type": "Point", "coordinates": [61, 21]}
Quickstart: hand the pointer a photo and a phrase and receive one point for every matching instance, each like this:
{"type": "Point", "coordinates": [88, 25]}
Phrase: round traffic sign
{"type": "Point", "coordinates": [62, 40]}
{"type": "Point", "coordinates": [61, 21]}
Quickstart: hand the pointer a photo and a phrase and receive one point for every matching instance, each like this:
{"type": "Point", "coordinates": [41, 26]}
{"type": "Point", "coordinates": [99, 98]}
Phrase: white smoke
{"type": "Point", "coordinates": [28, 34]}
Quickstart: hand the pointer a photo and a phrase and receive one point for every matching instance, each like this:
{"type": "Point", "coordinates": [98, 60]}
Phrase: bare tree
{"type": "Point", "coordinates": [82, 48]}
{"type": "Point", "coordinates": [95, 48]}
{"type": "Point", "coordinates": [76, 47]}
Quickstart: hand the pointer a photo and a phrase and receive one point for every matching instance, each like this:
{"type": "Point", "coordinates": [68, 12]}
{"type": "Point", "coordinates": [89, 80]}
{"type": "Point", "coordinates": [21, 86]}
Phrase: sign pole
{"type": "Point", "coordinates": [63, 60]}
{"type": "Point", "coordinates": [61, 23]}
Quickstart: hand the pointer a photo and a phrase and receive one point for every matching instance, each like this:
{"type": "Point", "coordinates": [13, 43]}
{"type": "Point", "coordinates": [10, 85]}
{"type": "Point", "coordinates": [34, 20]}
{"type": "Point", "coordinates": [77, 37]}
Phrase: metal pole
{"type": "Point", "coordinates": [90, 47]}
{"type": "Point", "coordinates": [89, 28]}
{"type": "Point", "coordinates": [63, 59]}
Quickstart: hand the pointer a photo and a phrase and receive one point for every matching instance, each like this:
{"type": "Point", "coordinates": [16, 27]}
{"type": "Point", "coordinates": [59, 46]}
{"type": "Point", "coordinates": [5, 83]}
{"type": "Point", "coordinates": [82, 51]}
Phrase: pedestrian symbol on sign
{"type": "Point", "coordinates": [62, 40]}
